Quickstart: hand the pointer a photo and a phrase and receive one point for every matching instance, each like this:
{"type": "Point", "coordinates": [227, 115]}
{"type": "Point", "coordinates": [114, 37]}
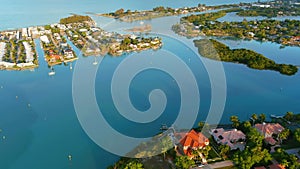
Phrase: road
{"type": "Point", "coordinates": [216, 165]}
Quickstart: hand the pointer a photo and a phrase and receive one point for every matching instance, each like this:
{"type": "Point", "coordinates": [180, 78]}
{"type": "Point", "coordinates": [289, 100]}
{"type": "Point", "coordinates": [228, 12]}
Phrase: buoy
{"type": "Point", "coordinates": [3, 137]}
{"type": "Point", "coordinates": [1, 87]}
{"type": "Point", "coordinates": [17, 97]}
{"type": "Point", "coordinates": [70, 157]}
{"type": "Point", "coordinates": [28, 105]}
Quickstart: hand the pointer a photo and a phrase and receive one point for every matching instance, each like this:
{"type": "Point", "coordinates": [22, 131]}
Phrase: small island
{"type": "Point", "coordinates": [216, 50]}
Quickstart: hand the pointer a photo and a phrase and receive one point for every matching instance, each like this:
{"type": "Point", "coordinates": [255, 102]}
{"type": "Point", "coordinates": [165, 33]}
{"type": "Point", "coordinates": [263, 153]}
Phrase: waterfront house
{"type": "Point", "coordinates": [54, 58]}
{"type": "Point", "coordinates": [45, 39]}
{"type": "Point", "coordinates": [190, 141]}
{"type": "Point", "coordinates": [270, 131]}
{"type": "Point", "coordinates": [68, 53]}
{"type": "Point", "coordinates": [233, 138]}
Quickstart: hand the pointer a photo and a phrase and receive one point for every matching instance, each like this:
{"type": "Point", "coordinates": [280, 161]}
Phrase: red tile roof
{"type": "Point", "coordinates": [192, 140]}
{"type": "Point", "coordinates": [270, 140]}
{"type": "Point", "coordinates": [55, 56]}
{"type": "Point", "coordinates": [269, 128]}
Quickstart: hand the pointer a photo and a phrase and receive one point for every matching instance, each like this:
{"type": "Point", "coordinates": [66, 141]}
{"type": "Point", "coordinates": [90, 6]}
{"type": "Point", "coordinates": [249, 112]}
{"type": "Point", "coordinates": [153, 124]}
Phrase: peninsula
{"type": "Point", "coordinates": [18, 52]}
{"type": "Point", "coordinates": [216, 50]}
{"type": "Point", "coordinates": [282, 32]}
{"type": "Point", "coordinates": [160, 11]}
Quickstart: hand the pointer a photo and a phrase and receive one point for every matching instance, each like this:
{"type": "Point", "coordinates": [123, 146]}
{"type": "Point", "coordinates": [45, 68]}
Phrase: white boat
{"type": "Point", "coordinates": [52, 73]}
{"type": "Point", "coordinates": [95, 62]}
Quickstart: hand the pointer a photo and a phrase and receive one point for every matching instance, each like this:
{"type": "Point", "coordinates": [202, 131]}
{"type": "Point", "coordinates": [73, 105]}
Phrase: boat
{"type": "Point", "coordinates": [164, 127]}
{"type": "Point", "coordinates": [52, 73]}
{"type": "Point", "coordinates": [274, 116]}
{"type": "Point", "coordinates": [95, 62]}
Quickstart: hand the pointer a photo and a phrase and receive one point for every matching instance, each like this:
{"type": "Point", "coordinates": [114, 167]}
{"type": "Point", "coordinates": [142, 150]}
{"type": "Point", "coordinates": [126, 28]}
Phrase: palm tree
{"type": "Point", "coordinates": [254, 118]}
{"type": "Point", "coordinates": [262, 117]}
{"type": "Point", "coordinates": [283, 135]}
{"type": "Point", "coordinates": [235, 121]}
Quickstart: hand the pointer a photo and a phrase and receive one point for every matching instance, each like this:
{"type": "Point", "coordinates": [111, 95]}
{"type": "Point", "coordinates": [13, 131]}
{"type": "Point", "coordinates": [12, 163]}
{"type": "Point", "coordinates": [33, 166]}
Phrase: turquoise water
{"type": "Point", "coordinates": [40, 125]}
{"type": "Point", "coordinates": [20, 13]}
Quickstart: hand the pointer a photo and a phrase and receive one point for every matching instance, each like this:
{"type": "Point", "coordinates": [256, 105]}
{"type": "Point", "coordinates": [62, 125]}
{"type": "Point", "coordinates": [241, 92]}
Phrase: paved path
{"type": "Point", "coordinates": [216, 165]}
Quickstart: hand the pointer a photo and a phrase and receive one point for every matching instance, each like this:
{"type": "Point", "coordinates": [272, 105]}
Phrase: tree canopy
{"type": "Point", "coordinates": [75, 19]}
{"type": "Point", "coordinates": [216, 50]}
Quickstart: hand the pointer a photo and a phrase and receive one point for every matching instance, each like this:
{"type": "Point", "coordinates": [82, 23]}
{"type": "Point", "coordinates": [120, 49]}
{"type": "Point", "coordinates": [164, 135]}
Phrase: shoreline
{"type": "Point", "coordinates": [82, 33]}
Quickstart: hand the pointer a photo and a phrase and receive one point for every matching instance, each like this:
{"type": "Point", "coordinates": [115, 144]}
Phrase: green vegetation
{"type": "Point", "coordinates": [218, 51]}
{"type": "Point", "coordinates": [203, 18]}
{"type": "Point", "coordinates": [289, 161]}
{"type": "Point", "coordinates": [160, 11]}
{"type": "Point", "coordinates": [290, 116]}
{"type": "Point", "coordinates": [281, 32]}
{"type": "Point", "coordinates": [183, 162]}
{"type": "Point", "coordinates": [127, 163]}
{"type": "Point", "coordinates": [256, 152]}
{"type": "Point", "coordinates": [297, 134]}
{"type": "Point", "coordinates": [270, 12]}
{"type": "Point", "coordinates": [75, 19]}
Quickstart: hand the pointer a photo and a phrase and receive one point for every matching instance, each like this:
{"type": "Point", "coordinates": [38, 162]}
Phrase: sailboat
{"type": "Point", "coordinates": [95, 62]}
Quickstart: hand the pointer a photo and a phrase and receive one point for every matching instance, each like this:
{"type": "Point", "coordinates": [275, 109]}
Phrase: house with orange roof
{"type": "Point", "coordinates": [191, 141]}
{"type": "Point", "coordinates": [233, 138]}
{"type": "Point", "coordinates": [269, 131]}
{"type": "Point", "coordinates": [54, 58]}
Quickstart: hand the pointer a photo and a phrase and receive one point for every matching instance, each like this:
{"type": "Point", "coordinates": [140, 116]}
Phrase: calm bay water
{"type": "Point", "coordinates": [40, 126]}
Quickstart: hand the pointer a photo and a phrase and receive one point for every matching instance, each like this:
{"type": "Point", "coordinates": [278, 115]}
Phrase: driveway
{"type": "Point", "coordinates": [216, 165]}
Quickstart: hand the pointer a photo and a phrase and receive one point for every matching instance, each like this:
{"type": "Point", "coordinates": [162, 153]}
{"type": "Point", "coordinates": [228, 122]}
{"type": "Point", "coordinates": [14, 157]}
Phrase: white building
{"type": "Point", "coordinates": [2, 50]}
{"type": "Point", "coordinates": [24, 32]}
{"type": "Point", "coordinates": [45, 39]}
{"type": "Point", "coordinates": [29, 53]}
